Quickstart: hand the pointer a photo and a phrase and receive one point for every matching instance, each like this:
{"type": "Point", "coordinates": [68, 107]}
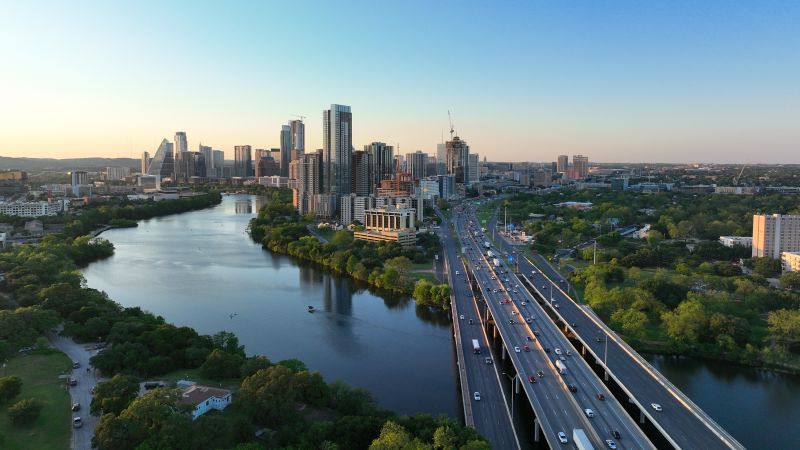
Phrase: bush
{"type": "Point", "coordinates": [24, 412]}
{"type": "Point", "coordinates": [10, 387]}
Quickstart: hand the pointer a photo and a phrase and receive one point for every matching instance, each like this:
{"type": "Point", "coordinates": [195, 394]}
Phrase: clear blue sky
{"type": "Point", "coordinates": [648, 81]}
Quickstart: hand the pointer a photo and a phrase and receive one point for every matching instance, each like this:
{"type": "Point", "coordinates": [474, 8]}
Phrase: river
{"type": "Point", "coordinates": [199, 268]}
{"type": "Point", "coordinates": [202, 270]}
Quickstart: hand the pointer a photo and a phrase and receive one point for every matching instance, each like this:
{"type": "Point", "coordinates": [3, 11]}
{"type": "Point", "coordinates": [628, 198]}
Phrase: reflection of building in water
{"type": "Point", "coordinates": [336, 296]}
{"type": "Point", "coordinates": [260, 201]}
{"type": "Point", "coordinates": [309, 276]}
{"type": "Point", "coordinates": [244, 207]}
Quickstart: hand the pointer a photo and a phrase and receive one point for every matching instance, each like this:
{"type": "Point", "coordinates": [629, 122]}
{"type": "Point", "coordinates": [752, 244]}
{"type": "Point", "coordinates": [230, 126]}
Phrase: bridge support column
{"type": "Point", "coordinates": [537, 430]}
{"type": "Point", "coordinates": [641, 416]}
{"type": "Point", "coordinates": [516, 385]}
{"type": "Point", "coordinates": [494, 333]}
{"type": "Point", "coordinates": [583, 350]}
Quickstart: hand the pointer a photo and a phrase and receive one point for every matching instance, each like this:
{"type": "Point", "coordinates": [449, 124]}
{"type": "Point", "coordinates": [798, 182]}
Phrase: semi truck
{"type": "Point", "coordinates": [581, 440]}
{"type": "Point", "coordinates": [562, 368]}
{"type": "Point", "coordinates": [476, 347]}
{"type": "Point", "coordinates": [496, 262]}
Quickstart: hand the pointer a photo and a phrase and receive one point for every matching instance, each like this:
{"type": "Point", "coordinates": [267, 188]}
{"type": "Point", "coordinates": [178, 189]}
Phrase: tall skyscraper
{"type": "Point", "coordinates": [363, 179]}
{"type": "Point", "coordinates": [473, 169]}
{"type": "Point", "coordinates": [458, 159]}
{"type": "Point", "coordinates": [145, 162]}
{"type": "Point", "coordinates": [417, 165]}
{"type": "Point", "coordinates": [286, 149]}
{"type": "Point", "coordinates": [208, 157]}
{"type": "Point", "coordinates": [243, 161]}
{"type": "Point", "coordinates": [179, 148]}
{"type": "Point", "coordinates": [309, 181]}
{"type": "Point", "coordinates": [298, 131]}
{"type": "Point", "coordinates": [774, 234]}
{"type": "Point", "coordinates": [562, 164]}
{"type": "Point", "coordinates": [337, 149]}
{"type": "Point", "coordinates": [382, 160]}
{"type": "Point", "coordinates": [219, 163]}
{"type": "Point", "coordinates": [581, 165]}
{"type": "Point", "coordinates": [163, 162]}
{"type": "Point", "coordinates": [441, 159]}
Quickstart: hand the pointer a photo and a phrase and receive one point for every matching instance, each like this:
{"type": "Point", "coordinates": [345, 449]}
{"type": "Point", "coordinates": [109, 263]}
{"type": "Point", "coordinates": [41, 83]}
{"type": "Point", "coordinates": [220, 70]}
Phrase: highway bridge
{"type": "Point", "coordinates": [660, 406]}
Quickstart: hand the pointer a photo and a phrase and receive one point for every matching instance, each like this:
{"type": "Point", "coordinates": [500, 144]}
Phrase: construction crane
{"type": "Point", "coordinates": [298, 115]}
{"type": "Point", "coordinates": [738, 177]}
{"type": "Point", "coordinates": [452, 130]}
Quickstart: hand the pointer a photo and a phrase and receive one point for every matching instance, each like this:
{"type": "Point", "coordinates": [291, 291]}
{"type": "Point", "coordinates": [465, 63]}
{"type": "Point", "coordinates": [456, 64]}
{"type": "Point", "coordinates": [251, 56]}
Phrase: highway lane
{"type": "Point", "coordinates": [609, 415]}
{"type": "Point", "coordinates": [490, 414]}
{"type": "Point", "coordinates": [677, 420]}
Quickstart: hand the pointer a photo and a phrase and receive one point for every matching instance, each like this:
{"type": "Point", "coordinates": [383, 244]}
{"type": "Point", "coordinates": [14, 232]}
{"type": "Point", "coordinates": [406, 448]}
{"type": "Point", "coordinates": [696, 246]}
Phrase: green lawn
{"type": "Point", "coordinates": [425, 276]}
{"type": "Point", "coordinates": [422, 266]}
{"type": "Point", "coordinates": [194, 375]}
{"type": "Point", "coordinates": [40, 380]}
{"type": "Point", "coordinates": [327, 233]}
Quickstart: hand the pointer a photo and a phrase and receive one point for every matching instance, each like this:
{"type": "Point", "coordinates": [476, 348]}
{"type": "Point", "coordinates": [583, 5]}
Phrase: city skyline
{"type": "Point", "coordinates": [627, 82]}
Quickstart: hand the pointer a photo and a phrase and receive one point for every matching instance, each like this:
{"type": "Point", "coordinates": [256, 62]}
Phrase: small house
{"type": "Point", "coordinates": [206, 398]}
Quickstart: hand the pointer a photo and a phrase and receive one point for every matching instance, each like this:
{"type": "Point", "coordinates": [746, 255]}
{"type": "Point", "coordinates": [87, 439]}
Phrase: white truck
{"type": "Point", "coordinates": [496, 262]}
{"type": "Point", "coordinates": [581, 440]}
{"type": "Point", "coordinates": [562, 368]}
{"type": "Point", "coordinates": [476, 346]}
{"type": "Point", "coordinates": [489, 254]}
{"type": "Point", "coordinates": [487, 245]}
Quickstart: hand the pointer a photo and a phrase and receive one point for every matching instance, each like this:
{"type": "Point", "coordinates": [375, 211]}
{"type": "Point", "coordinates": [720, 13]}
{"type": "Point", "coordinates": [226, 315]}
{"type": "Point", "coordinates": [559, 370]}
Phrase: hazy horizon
{"type": "Point", "coordinates": [678, 82]}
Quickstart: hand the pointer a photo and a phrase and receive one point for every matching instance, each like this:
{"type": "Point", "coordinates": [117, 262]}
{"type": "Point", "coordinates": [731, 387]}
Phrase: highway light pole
{"type": "Point", "coordinates": [512, 393]}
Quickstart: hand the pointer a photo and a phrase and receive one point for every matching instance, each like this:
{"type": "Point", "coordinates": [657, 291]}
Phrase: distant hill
{"type": "Point", "coordinates": [91, 164]}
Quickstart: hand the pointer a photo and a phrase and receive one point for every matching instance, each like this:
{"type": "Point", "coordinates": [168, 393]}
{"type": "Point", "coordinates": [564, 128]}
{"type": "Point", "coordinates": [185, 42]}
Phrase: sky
{"type": "Point", "coordinates": [619, 81]}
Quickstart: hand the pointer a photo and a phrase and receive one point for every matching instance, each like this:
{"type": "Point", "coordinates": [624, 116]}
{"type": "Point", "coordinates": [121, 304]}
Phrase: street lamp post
{"type": "Point", "coordinates": [510, 378]}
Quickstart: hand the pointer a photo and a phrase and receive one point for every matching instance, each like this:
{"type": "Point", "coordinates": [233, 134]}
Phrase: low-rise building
{"type": "Point", "coordinates": [31, 209]}
{"type": "Point", "coordinates": [206, 398]}
{"type": "Point", "coordinates": [389, 224]}
{"type": "Point", "coordinates": [731, 241]}
{"type": "Point", "coordinates": [790, 261]}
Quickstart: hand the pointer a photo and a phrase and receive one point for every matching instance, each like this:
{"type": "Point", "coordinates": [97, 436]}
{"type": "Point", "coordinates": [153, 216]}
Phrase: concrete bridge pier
{"type": "Point", "coordinates": [502, 351]}
{"type": "Point", "coordinates": [537, 430]}
{"type": "Point", "coordinates": [583, 350]}
{"type": "Point", "coordinates": [516, 385]}
{"type": "Point", "coordinates": [641, 417]}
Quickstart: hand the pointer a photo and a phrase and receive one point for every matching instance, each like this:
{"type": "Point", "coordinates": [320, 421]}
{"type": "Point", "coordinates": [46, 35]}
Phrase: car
{"type": "Point", "coordinates": [76, 365]}
{"type": "Point", "coordinates": [471, 321]}
{"type": "Point", "coordinates": [562, 437]}
{"type": "Point", "coordinates": [598, 339]}
{"type": "Point", "coordinates": [561, 358]}
{"type": "Point", "coordinates": [556, 306]}
{"type": "Point", "coordinates": [600, 396]}
{"type": "Point", "coordinates": [73, 382]}
{"type": "Point", "coordinates": [493, 277]}
{"type": "Point", "coordinates": [589, 412]}
{"type": "Point", "coordinates": [535, 332]}
{"type": "Point", "coordinates": [523, 303]}
{"type": "Point", "coordinates": [656, 406]}
{"type": "Point", "coordinates": [611, 444]}
{"type": "Point", "coordinates": [547, 349]}
{"type": "Point", "coordinates": [461, 317]}
{"type": "Point", "coordinates": [615, 434]}
{"type": "Point", "coordinates": [544, 286]}
{"type": "Point", "coordinates": [476, 396]}
{"type": "Point", "coordinates": [569, 353]}
{"type": "Point", "coordinates": [562, 281]}
{"type": "Point", "coordinates": [540, 373]}
{"type": "Point", "coordinates": [558, 351]}
{"type": "Point", "coordinates": [511, 321]}
{"type": "Point", "coordinates": [531, 379]}
{"type": "Point", "coordinates": [516, 349]}
{"type": "Point", "coordinates": [528, 338]}
{"type": "Point", "coordinates": [76, 407]}
{"type": "Point", "coordinates": [526, 348]}
{"type": "Point", "coordinates": [528, 320]}
{"type": "Point", "coordinates": [533, 272]}
{"type": "Point", "coordinates": [458, 273]}
{"type": "Point", "coordinates": [513, 313]}
{"type": "Point", "coordinates": [487, 360]}
{"type": "Point", "coordinates": [572, 388]}
{"type": "Point", "coordinates": [574, 325]}
{"type": "Point", "coordinates": [77, 422]}
{"type": "Point", "coordinates": [515, 291]}
{"type": "Point", "coordinates": [494, 290]}
{"type": "Point", "coordinates": [25, 349]}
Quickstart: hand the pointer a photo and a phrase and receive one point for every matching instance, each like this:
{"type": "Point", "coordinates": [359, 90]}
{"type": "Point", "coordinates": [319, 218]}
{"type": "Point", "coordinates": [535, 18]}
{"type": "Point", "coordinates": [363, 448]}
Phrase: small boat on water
{"type": "Point", "coordinates": [311, 309]}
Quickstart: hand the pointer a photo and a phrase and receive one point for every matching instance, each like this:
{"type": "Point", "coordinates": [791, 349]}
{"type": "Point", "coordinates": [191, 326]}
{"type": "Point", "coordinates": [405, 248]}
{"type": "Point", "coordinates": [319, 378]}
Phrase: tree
{"type": "Point", "coordinates": [687, 322]}
{"type": "Point", "coordinates": [293, 364]}
{"type": "Point", "coordinates": [766, 267]}
{"type": "Point", "coordinates": [254, 364]}
{"type": "Point", "coordinates": [784, 327]}
{"type": "Point", "coordinates": [476, 445]}
{"type": "Point", "coordinates": [445, 438]}
{"type": "Point", "coordinates": [220, 364]}
{"type": "Point", "coordinates": [268, 395]}
{"type": "Point", "coordinates": [10, 387]}
{"type": "Point", "coordinates": [791, 280]}
{"type": "Point", "coordinates": [631, 321]}
{"type": "Point", "coordinates": [24, 412]}
{"type": "Point", "coordinates": [114, 395]}
{"type": "Point", "coordinates": [227, 341]}
{"type": "Point", "coordinates": [393, 437]}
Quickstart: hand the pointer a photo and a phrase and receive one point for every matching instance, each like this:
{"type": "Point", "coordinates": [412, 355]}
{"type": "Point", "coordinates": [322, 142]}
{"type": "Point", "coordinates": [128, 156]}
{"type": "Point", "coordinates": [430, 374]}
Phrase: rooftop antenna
{"type": "Point", "coordinates": [450, 118]}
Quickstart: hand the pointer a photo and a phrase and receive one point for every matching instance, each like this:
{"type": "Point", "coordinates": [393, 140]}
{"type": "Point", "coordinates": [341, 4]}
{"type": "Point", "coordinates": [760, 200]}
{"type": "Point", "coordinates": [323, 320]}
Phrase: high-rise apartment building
{"type": "Point", "coordinates": [362, 179]}
{"type": "Point", "coordinates": [337, 149]}
{"type": "Point", "coordinates": [117, 173]}
{"type": "Point", "coordinates": [208, 157]}
{"type": "Point", "coordinates": [179, 148]}
{"type": "Point", "coordinates": [145, 162]}
{"type": "Point", "coordinates": [298, 132]}
{"type": "Point", "coordinates": [441, 159]}
{"type": "Point", "coordinates": [243, 161]}
{"type": "Point", "coordinates": [382, 162]}
{"type": "Point", "coordinates": [581, 165]}
{"type": "Point", "coordinates": [473, 168]}
{"type": "Point", "coordinates": [457, 155]}
{"type": "Point", "coordinates": [541, 178]}
{"type": "Point", "coordinates": [774, 234]}
{"type": "Point", "coordinates": [417, 165]}
{"type": "Point", "coordinates": [562, 164]}
{"type": "Point", "coordinates": [309, 181]}
{"type": "Point", "coordinates": [286, 149]}
{"type": "Point", "coordinates": [219, 163]}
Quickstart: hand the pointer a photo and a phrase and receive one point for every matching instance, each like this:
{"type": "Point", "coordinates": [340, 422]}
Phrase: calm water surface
{"type": "Point", "coordinates": [199, 268]}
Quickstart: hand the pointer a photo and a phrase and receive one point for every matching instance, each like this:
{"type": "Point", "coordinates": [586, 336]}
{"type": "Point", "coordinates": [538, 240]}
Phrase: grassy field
{"type": "Point", "coordinates": [40, 380]}
{"type": "Point", "coordinates": [194, 375]}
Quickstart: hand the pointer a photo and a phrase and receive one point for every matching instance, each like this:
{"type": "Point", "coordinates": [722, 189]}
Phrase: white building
{"type": "Point", "coordinates": [117, 173]}
{"type": "Point", "coordinates": [774, 234]}
{"type": "Point", "coordinates": [731, 241]}
{"type": "Point", "coordinates": [790, 261]}
{"type": "Point", "coordinates": [206, 398]}
{"type": "Point", "coordinates": [274, 181]}
{"type": "Point", "coordinates": [31, 209]}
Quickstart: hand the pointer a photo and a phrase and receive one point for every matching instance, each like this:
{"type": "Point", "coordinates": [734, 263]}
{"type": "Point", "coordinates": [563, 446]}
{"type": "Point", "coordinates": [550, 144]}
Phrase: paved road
{"type": "Point", "coordinates": [82, 393]}
{"type": "Point", "coordinates": [557, 408]}
{"type": "Point", "coordinates": [490, 413]}
{"type": "Point", "coordinates": [685, 424]}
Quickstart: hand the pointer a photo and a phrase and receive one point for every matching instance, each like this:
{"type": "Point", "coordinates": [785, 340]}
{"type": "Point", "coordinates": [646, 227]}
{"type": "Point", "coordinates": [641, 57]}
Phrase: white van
{"type": "Point", "coordinates": [589, 412]}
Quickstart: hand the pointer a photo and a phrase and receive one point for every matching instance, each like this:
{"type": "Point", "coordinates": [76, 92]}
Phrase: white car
{"type": "Point", "coordinates": [461, 317]}
{"type": "Point", "coordinates": [558, 350]}
{"type": "Point", "coordinates": [523, 303]}
{"type": "Point", "coordinates": [611, 444]}
{"type": "Point", "coordinates": [477, 396]}
{"type": "Point", "coordinates": [589, 412]}
{"type": "Point", "coordinates": [516, 349]}
{"type": "Point", "coordinates": [562, 437]}
{"type": "Point", "coordinates": [458, 273]}
{"type": "Point", "coordinates": [656, 406]}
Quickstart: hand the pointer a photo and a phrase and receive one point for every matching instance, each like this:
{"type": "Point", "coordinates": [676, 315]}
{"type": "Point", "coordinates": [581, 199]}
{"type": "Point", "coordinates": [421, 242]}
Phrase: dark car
{"type": "Point", "coordinates": [529, 338]}
{"type": "Point", "coordinates": [73, 382]}
{"type": "Point", "coordinates": [615, 434]}
{"type": "Point", "coordinates": [600, 397]}
{"type": "Point", "coordinates": [76, 407]}
{"type": "Point", "coordinates": [526, 348]}
{"type": "Point", "coordinates": [540, 373]}
{"type": "Point", "coordinates": [547, 349]}
{"type": "Point", "coordinates": [573, 388]}
{"type": "Point", "coordinates": [532, 379]}
{"type": "Point", "coordinates": [511, 321]}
